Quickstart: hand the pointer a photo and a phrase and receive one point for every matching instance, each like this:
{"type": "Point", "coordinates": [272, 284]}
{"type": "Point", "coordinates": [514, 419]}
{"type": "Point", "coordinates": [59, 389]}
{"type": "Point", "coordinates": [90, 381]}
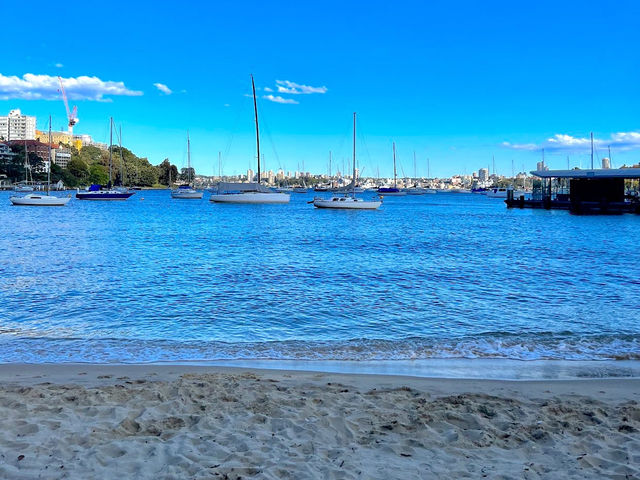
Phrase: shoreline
{"type": "Point", "coordinates": [447, 368]}
{"type": "Point", "coordinates": [178, 421]}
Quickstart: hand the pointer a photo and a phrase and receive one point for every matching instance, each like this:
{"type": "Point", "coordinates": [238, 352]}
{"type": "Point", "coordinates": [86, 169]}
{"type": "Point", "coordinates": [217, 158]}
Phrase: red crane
{"type": "Point", "coordinates": [72, 115]}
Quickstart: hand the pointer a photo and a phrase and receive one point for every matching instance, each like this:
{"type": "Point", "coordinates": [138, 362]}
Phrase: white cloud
{"type": "Point", "coordinates": [47, 87]}
{"type": "Point", "coordinates": [568, 143]}
{"type": "Point", "coordinates": [268, 89]}
{"type": "Point", "coordinates": [520, 146]}
{"type": "Point", "coordinates": [163, 88]}
{"type": "Point", "coordinates": [285, 86]}
{"type": "Point", "coordinates": [279, 99]}
{"type": "Point", "coordinates": [58, 65]}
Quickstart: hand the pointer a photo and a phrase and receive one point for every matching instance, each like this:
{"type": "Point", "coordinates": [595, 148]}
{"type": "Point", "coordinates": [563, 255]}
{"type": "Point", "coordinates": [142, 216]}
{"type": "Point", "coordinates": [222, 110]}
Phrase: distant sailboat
{"type": "Point", "coordinates": [97, 192]}
{"type": "Point", "coordinates": [187, 191]}
{"type": "Point", "coordinates": [249, 192]}
{"type": "Point", "coordinates": [37, 199]}
{"type": "Point", "coordinates": [349, 201]}
{"type": "Point", "coordinates": [392, 191]}
{"type": "Point", "coordinates": [25, 187]}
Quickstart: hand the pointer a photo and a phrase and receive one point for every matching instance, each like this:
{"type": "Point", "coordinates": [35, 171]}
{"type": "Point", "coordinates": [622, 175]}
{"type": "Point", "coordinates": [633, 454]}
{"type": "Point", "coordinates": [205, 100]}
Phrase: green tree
{"type": "Point", "coordinates": [98, 174]}
{"type": "Point", "coordinates": [78, 168]}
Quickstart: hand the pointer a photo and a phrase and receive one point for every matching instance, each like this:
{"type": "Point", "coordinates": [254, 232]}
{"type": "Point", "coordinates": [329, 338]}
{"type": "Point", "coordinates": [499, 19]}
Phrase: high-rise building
{"type": "Point", "coordinates": [483, 174]}
{"type": "Point", "coordinates": [250, 175]}
{"type": "Point", "coordinates": [16, 126]}
{"type": "Point", "coordinates": [606, 163]}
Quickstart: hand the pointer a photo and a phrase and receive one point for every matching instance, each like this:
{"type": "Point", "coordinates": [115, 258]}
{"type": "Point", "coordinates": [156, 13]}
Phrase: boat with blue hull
{"type": "Point", "coordinates": [98, 192]}
{"type": "Point", "coordinates": [393, 191]}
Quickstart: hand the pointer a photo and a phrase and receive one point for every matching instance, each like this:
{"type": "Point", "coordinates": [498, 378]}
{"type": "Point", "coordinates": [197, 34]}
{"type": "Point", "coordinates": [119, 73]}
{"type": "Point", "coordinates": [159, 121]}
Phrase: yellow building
{"type": "Point", "coordinates": [59, 137]}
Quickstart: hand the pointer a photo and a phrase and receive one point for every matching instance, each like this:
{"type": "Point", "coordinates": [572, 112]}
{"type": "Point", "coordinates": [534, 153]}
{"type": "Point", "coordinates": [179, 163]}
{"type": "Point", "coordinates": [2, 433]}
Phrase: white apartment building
{"type": "Point", "coordinates": [483, 175]}
{"type": "Point", "coordinates": [61, 157]}
{"type": "Point", "coordinates": [16, 126]}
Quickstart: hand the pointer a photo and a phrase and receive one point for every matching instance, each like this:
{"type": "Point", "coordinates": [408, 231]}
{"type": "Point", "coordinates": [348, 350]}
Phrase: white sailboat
{"type": "Point", "coordinates": [249, 192]}
{"type": "Point", "coordinates": [25, 187]}
{"type": "Point", "coordinates": [349, 201]}
{"type": "Point", "coordinates": [37, 199]}
{"type": "Point", "coordinates": [187, 191]}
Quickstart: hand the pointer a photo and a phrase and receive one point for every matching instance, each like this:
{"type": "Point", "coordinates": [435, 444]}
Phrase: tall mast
{"type": "Point", "coordinates": [394, 166]}
{"type": "Point", "coordinates": [121, 155]}
{"type": "Point", "coordinates": [330, 181]}
{"type": "Point", "coordinates": [354, 153]}
{"type": "Point", "coordinates": [255, 108]}
{"type": "Point", "coordinates": [26, 163]}
{"type": "Point", "coordinates": [591, 150]}
{"type": "Point", "coordinates": [610, 162]}
{"type": "Point", "coordinates": [188, 158]}
{"type": "Point", "coordinates": [110, 146]}
{"type": "Point", "coordinates": [220, 165]}
{"type": "Point", "coordinates": [49, 169]}
{"type": "Point", "coordinates": [415, 169]}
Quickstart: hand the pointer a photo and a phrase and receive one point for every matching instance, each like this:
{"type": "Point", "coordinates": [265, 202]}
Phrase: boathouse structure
{"type": "Point", "coordinates": [593, 191]}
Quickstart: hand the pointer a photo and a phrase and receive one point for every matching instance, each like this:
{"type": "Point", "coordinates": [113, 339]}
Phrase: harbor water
{"type": "Point", "coordinates": [424, 279]}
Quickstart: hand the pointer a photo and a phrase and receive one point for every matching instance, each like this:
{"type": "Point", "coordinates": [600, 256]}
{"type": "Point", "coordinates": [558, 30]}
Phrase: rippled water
{"type": "Point", "coordinates": [434, 276]}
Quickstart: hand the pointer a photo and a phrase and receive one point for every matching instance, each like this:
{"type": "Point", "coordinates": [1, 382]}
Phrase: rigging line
{"type": "Point", "coordinates": [266, 129]}
{"type": "Point", "coordinates": [366, 148]}
{"type": "Point", "coordinates": [239, 114]}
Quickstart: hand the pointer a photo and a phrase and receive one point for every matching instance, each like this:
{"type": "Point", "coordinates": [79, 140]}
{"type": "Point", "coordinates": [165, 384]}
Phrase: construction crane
{"type": "Point", "coordinates": [72, 115]}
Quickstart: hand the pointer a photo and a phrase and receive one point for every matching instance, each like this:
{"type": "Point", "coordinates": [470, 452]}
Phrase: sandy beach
{"type": "Point", "coordinates": [157, 422]}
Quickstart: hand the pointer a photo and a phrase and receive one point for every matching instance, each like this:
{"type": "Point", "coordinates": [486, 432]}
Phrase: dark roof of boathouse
{"type": "Point", "coordinates": [588, 173]}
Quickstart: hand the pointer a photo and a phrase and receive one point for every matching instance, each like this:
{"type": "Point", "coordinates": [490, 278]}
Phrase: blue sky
{"type": "Point", "coordinates": [456, 82]}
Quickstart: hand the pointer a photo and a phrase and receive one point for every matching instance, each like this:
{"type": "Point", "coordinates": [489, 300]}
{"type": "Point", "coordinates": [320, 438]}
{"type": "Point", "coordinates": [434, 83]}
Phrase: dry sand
{"type": "Point", "coordinates": [171, 422]}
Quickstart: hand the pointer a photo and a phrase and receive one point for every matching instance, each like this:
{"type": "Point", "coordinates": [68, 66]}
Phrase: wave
{"type": "Point", "coordinates": [539, 346]}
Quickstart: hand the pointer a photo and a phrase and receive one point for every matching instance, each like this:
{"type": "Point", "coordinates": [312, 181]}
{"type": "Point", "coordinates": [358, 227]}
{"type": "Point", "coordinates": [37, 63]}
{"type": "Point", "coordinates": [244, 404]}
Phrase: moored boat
{"type": "Point", "coordinates": [108, 192]}
{"type": "Point", "coordinates": [37, 199]}
{"type": "Point", "coordinates": [349, 201]}
{"type": "Point", "coordinates": [187, 191]}
{"type": "Point", "coordinates": [249, 192]}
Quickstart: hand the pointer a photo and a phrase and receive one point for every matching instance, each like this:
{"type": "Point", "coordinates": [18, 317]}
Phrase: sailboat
{"type": "Point", "coordinates": [349, 201]}
{"type": "Point", "coordinates": [249, 192]}
{"type": "Point", "coordinates": [187, 191]}
{"type": "Point", "coordinates": [95, 191]}
{"type": "Point", "coordinates": [392, 190]}
{"type": "Point", "coordinates": [415, 190]}
{"type": "Point", "coordinates": [37, 199]}
{"type": "Point", "coordinates": [25, 187]}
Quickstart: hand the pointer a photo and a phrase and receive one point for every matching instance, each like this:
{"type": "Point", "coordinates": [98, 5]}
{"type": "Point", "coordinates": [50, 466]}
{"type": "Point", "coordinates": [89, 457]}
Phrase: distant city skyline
{"type": "Point", "coordinates": [458, 84]}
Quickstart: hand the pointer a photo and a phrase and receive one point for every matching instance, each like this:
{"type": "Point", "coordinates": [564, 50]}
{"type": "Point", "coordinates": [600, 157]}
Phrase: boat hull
{"type": "Point", "coordinates": [39, 201]}
{"type": "Point", "coordinates": [392, 194]}
{"type": "Point", "coordinates": [187, 195]}
{"type": "Point", "coordinates": [250, 197]}
{"type": "Point", "coordinates": [103, 196]}
{"type": "Point", "coordinates": [345, 203]}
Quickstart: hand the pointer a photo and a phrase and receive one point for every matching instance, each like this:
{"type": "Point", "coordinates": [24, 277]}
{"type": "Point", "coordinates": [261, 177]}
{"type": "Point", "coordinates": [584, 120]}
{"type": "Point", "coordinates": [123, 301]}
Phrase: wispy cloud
{"type": "Point", "coordinates": [46, 87]}
{"type": "Point", "coordinates": [279, 99]}
{"type": "Point", "coordinates": [163, 88]}
{"type": "Point", "coordinates": [58, 65]}
{"type": "Point", "coordinates": [268, 89]}
{"type": "Point", "coordinates": [568, 143]}
{"type": "Point", "coordinates": [286, 86]}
